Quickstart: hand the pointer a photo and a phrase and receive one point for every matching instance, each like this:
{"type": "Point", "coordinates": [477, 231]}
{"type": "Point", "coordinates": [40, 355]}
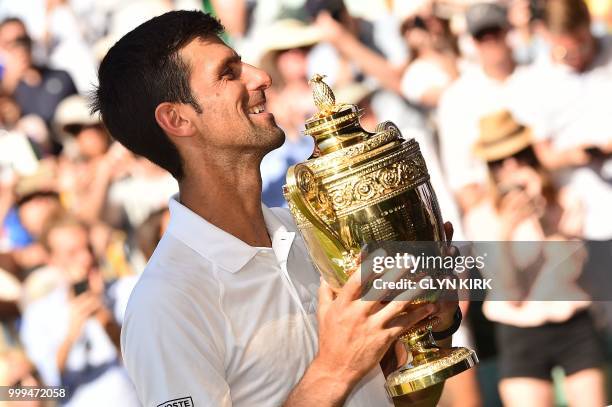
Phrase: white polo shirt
{"type": "Point", "coordinates": [573, 111]}
{"type": "Point", "coordinates": [470, 98]}
{"type": "Point", "coordinates": [216, 322]}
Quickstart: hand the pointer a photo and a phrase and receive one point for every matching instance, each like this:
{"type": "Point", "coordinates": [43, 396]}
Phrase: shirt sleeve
{"type": "Point", "coordinates": [419, 78]}
{"type": "Point", "coordinates": [171, 353]}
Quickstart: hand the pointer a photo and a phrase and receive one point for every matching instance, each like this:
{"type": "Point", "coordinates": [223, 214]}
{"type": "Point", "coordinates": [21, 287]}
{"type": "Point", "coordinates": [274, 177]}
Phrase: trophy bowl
{"type": "Point", "coordinates": [361, 188]}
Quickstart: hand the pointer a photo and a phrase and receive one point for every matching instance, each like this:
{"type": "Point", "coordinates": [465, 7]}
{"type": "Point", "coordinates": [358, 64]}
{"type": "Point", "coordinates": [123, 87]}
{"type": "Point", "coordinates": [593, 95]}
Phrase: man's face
{"type": "Point", "coordinates": [575, 50]}
{"type": "Point", "coordinates": [15, 44]}
{"type": "Point", "coordinates": [92, 141]}
{"type": "Point", "coordinates": [34, 213]}
{"type": "Point", "coordinates": [493, 47]}
{"type": "Point", "coordinates": [231, 95]}
{"type": "Point", "coordinates": [70, 251]}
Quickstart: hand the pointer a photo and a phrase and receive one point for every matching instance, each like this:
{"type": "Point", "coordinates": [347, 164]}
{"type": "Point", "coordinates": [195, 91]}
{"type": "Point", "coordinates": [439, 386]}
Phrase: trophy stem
{"type": "Point", "coordinates": [427, 364]}
{"type": "Point", "coordinates": [420, 345]}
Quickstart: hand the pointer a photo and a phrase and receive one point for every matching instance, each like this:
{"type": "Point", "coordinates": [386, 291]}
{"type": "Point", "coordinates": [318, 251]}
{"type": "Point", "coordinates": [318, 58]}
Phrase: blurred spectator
{"type": "Point", "coordinates": [16, 371]}
{"type": "Point", "coordinates": [525, 37]}
{"type": "Point", "coordinates": [37, 89]}
{"type": "Point", "coordinates": [10, 291]}
{"type": "Point", "coordinates": [151, 230]}
{"type": "Point", "coordinates": [432, 51]}
{"type": "Point", "coordinates": [104, 181]}
{"type": "Point", "coordinates": [144, 189]}
{"type": "Point", "coordinates": [496, 84]}
{"type": "Point", "coordinates": [84, 137]}
{"type": "Point", "coordinates": [535, 334]}
{"type": "Point", "coordinates": [71, 333]}
{"type": "Point", "coordinates": [601, 10]}
{"type": "Point", "coordinates": [433, 55]}
{"type": "Point", "coordinates": [287, 44]}
{"type": "Point", "coordinates": [571, 122]}
{"type": "Point", "coordinates": [233, 13]}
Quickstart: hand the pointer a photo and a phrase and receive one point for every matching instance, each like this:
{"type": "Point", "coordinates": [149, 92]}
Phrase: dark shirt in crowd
{"type": "Point", "coordinates": [43, 98]}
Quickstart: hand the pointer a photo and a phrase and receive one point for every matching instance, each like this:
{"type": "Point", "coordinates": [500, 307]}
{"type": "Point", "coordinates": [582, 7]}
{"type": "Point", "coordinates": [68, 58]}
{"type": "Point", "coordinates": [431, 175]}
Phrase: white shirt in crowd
{"type": "Point", "coordinates": [472, 96]}
{"type": "Point", "coordinates": [422, 76]}
{"type": "Point", "coordinates": [93, 364]}
{"type": "Point", "coordinates": [217, 322]}
{"type": "Point", "coordinates": [574, 110]}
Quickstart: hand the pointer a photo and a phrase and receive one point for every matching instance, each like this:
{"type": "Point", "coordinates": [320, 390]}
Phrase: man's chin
{"type": "Point", "coordinates": [272, 134]}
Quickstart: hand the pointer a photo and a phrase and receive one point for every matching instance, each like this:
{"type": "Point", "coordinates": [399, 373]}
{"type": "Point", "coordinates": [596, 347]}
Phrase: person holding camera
{"type": "Point", "coordinates": [542, 312]}
{"type": "Point", "coordinates": [71, 333]}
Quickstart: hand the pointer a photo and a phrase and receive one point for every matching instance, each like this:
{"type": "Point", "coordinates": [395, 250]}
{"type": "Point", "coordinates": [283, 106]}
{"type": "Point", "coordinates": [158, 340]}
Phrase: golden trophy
{"type": "Point", "coordinates": [359, 188]}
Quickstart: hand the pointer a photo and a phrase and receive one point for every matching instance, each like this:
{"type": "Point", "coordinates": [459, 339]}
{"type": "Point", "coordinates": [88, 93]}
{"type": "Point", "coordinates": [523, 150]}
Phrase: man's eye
{"type": "Point", "coordinates": [229, 74]}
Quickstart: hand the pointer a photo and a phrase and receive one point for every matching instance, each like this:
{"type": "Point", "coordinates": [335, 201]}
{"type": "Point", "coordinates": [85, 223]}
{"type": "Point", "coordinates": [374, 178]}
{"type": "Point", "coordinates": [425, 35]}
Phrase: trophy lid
{"type": "Point", "coordinates": [335, 125]}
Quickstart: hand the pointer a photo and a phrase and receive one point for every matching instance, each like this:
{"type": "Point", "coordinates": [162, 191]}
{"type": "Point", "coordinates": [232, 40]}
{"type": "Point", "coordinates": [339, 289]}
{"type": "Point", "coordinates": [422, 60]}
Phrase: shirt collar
{"type": "Point", "coordinates": [220, 247]}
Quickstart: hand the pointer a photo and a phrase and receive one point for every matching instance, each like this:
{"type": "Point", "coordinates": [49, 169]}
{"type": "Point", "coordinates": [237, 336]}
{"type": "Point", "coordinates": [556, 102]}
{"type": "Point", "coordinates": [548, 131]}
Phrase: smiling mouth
{"type": "Point", "coordinates": [257, 109]}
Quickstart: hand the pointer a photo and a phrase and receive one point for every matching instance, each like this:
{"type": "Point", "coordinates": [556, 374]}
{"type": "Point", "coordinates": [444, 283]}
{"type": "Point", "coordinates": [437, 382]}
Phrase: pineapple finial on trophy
{"type": "Point", "coordinates": [322, 94]}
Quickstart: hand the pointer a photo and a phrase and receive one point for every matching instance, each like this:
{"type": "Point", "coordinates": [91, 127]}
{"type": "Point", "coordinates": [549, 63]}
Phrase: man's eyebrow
{"type": "Point", "coordinates": [229, 60]}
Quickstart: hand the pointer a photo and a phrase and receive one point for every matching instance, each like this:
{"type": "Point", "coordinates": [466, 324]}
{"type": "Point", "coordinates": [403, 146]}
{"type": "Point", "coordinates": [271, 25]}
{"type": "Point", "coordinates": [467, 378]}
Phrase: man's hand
{"type": "Point", "coordinates": [446, 307]}
{"type": "Point", "coordinates": [354, 334]}
{"type": "Point", "coordinates": [82, 308]}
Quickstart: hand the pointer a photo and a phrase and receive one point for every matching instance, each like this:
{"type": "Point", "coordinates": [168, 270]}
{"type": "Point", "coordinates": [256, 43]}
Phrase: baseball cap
{"type": "Point", "coordinates": [484, 16]}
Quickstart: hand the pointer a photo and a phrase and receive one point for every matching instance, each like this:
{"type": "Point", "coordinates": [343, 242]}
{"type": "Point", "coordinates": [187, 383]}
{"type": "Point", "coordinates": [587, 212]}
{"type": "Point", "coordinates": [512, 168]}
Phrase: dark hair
{"type": "Point", "coordinates": [566, 16]}
{"type": "Point", "coordinates": [32, 196]}
{"type": "Point", "coordinates": [525, 156]}
{"type": "Point", "coordinates": [10, 20]}
{"type": "Point", "coordinates": [144, 69]}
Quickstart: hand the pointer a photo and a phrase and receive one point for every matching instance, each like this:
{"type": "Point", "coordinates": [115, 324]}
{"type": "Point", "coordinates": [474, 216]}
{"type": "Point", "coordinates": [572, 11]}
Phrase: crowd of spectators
{"type": "Point", "coordinates": [508, 99]}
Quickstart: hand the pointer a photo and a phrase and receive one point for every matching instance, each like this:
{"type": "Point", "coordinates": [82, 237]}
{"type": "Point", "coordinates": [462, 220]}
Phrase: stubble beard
{"type": "Point", "coordinates": [269, 137]}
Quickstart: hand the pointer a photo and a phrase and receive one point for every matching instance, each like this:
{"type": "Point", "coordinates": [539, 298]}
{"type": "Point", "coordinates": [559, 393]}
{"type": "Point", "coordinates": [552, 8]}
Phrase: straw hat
{"type": "Point", "coordinates": [501, 136]}
{"type": "Point", "coordinates": [288, 34]}
{"type": "Point", "coordinates": [283, 35]}
{"type": "Point", "coordinates": [73, 113]}
{"type": "Point", "coordinates": [353, 93]}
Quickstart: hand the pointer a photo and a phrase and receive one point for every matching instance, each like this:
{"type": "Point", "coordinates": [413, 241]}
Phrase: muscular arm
{"type": "Point", "coordinates": [320, 386]}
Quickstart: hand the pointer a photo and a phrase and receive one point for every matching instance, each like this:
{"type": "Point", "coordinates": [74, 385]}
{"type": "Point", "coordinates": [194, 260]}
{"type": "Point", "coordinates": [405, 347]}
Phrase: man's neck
{"type": "Point", "coordinates": [229, 197]}
{"type": "Point", "coordinates": [500, 72]}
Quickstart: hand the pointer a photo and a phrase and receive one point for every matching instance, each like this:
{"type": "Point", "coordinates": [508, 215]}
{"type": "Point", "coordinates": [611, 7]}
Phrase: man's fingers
{"type": "Point", "coordinates": [449, 231]}
{"type": "Point", "coordinates": [367, 266]}
{"type": "Point", "coordinates": [408, 319]}
{"type": "Point", "coordinates": [326, 296]}
{"type": "Point", "coordinates": [352, 288]}
{"type": "Point", "coordinates": [394, 274]}
{"type": "Point", "coordinates": [397, 308]}
{"type": "Point", "coordinates": [87, 303]}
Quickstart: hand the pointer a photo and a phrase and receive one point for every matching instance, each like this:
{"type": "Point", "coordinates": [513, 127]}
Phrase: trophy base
{"type": "Point", "coordinates": [436, 369]}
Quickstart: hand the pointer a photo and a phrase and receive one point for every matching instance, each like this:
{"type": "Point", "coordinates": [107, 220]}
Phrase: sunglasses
{"type": "Point", "coordinates": [23, 41]}
{"type": "Point", "coordinates": [416, 22]}
{"type": "Point", "coordinates": [495, 33]}
{"type": "Point", "coordinates": [525, 156]}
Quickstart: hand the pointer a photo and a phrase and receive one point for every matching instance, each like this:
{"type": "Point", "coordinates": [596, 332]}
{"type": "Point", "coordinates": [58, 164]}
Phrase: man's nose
{"type": "Point", "coordinates": [255, 78]}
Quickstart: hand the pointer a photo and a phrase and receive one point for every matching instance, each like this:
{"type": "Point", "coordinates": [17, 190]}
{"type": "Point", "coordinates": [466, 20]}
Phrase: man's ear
{"type": "Point", "coordinates": [172, 118]}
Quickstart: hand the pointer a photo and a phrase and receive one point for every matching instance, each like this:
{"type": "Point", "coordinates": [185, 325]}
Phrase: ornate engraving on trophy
{"type": "Point", "coordinates": [362, 188]}
{"type": "Point", "coordinates": [378, 231]}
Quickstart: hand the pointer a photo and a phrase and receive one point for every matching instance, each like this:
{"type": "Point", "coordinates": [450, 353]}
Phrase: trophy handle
{"type": "Point", "coordinates": [304, 192]}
